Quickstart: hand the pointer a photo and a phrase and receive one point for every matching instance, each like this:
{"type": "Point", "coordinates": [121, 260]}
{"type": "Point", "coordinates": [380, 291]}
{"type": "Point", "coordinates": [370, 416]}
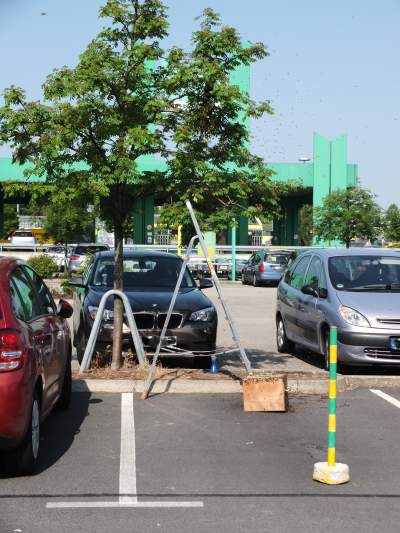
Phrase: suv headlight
{"type": "Point", "coordinates": [108, 315]}
{"type": "Point", "coordinates": [353, 317]}
{"type": "Point", "coordinates": [204, 315]}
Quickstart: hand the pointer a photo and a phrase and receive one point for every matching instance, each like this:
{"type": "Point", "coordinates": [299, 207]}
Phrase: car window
{"type": "Point", "coordinates": [296, 275]}
{"type": "Point", "coordinates": [355, 272]}
{"type": "Point", "coordinates": [31, 306]}
{"type": "Point", "coordinates": [83, 250]}
{"type": "Point", "coordinates": [313, 276]}
{"type": "Point", "coordinates": [46, 299]}
{"type": "Point", "coordinates": [142, 272]}
{"type": "Point", "coordinates": [279, 259]}
{"type": "Point", "coordinates": [257, 259]}
{"type": "Point", "coordinates": [88, 271]}
{"type": "Point", "coordinates": [17, 303]}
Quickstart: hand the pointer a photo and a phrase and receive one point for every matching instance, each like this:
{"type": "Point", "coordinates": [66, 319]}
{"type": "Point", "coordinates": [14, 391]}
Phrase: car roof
{"type": "Point", "coordinates": [335, 252]}
{"type": "Point", "coordinates": [136, 254]}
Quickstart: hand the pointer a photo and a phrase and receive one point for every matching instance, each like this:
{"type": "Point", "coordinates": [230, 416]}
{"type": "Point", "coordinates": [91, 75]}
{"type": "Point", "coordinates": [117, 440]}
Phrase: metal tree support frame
{"type": "Point", "coordinates": [228, 316]}
{"type": "Point", "coordinates": [137, 340]}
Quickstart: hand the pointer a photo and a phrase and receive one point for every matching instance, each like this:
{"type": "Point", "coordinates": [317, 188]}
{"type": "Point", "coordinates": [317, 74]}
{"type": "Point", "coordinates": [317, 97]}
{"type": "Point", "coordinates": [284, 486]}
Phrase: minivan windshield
{"type": "Point", "coordinates": [365, 272]}
{"type": "Point", "coordinates": [143, 272]}
{"type": "Point", "coordinates": [279, 259]}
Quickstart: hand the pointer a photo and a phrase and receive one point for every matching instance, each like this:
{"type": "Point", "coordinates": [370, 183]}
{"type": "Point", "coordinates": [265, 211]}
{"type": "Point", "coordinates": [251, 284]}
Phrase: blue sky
{"type": "Point", "coordinates": [333, 68]}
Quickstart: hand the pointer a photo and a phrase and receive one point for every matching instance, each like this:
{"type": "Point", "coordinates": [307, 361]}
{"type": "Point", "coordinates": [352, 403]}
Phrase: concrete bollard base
{"type": "Point", "coordinates": [331, 475]}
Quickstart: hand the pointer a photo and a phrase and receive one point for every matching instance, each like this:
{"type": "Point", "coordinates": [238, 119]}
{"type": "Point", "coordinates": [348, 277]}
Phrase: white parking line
{"type": "Point", "coordinates": [165, 504]}
{"type": "Point", "coordinates": [386, 397]}
{"type": "Point", "coordinates": [127, 472]}
{"type": "Point", "coordinates": [127, 462]}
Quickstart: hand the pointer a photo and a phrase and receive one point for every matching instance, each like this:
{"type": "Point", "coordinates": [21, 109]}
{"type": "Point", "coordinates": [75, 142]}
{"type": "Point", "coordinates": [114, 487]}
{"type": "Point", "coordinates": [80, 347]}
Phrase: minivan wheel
{"type": "Point", "coordinates": [284, 345]}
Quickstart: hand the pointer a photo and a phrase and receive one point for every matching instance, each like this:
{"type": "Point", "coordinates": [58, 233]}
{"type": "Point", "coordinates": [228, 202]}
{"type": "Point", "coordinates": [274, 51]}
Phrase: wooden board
{"type": "Point", "coordinates": [265, 393]}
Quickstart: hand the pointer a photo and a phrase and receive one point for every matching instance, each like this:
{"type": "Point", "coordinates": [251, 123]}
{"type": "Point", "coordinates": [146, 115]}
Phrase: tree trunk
{"type": "Point", "coordinates": [118, 304]}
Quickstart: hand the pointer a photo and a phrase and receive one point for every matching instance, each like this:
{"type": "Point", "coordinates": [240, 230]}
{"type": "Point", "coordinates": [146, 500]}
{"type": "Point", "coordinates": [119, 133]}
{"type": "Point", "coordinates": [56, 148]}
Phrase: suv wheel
{"type": "Point", "coordinates": [284, 345]}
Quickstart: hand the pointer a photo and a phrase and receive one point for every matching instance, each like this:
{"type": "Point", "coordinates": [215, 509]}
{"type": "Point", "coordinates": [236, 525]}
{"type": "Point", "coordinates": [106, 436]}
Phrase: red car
{"type": "Point", "coordinates": [35, 362]}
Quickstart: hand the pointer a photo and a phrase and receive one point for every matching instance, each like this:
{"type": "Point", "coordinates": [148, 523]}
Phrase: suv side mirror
{"type": "Point", "coordinates": [310, 291]}
{"type": "Point", "coordinates": [205, 283]}
{"type": "Point", "coordinates": [77, 282]}
{"type": "Point", "coordinates": [64, 309]}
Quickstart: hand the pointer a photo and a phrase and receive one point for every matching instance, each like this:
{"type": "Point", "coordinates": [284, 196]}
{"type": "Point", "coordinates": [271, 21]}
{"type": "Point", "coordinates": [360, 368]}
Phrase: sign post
{"type": "Point", "coordinates": [331, 472]}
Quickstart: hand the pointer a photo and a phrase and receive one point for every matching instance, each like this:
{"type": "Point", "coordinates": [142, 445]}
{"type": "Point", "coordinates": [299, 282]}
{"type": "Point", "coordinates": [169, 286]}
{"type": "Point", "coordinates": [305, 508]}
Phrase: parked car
{"type": "Point", "coordinates": [79, 252]}
{"type": "Point", "coordinates": [23, 237]}
{"type": "Point", "coordinates": [356, 290]}
{"type": "Point", "coordinates": [265, 267]}
{"type": "Point", "coordinates": [57, 253]}
{"type": "Point", "coordinates": [223, 267]}
{"type": "Point", "coordinates": [35, 362]}
{"type": "Point", "coordinates": [149, 280]}
{"type": "Point", "coordinates": [198, 267]}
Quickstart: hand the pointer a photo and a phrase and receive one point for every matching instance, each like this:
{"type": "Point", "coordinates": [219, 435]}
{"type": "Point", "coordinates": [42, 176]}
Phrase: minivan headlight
{"type": "Point", "coordinates": [353, 317]}
{"type": "Point", "coordinates": [203, 315]}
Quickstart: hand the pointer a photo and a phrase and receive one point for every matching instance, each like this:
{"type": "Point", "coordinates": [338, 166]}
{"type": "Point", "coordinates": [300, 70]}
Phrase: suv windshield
{"type": "Point", "coordinates": [365, 272]}
{"type": "Point", "coordinates": [83, 250]}
{"type": "Point", "coordinates": [143, 272]}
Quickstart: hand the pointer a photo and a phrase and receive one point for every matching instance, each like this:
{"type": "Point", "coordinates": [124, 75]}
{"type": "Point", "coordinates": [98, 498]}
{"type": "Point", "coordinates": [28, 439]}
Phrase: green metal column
{"type": "Point", "coordinates": [243, 231]}
{"type": "Point", "coordinates": [143, 221]}
{"type": "Point", "coordinates": [149, 219]}
{"type": "Point", "coordinates": [339, 164]}
{"type": "Point", "coordinates": [138, 222]}
{"type": "Point", "coordinates": [322, 169]}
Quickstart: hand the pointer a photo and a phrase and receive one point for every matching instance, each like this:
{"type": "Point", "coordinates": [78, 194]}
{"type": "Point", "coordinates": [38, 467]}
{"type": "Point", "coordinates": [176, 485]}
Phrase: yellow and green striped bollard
{"type": "Point", "coordinates": [332, 473]}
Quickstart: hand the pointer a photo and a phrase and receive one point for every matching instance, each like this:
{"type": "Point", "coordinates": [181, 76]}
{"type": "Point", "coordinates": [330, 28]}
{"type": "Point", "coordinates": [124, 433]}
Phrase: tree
{"type": "Point", "coordinates": [305, 230]}
{"type": "Point", "coordinates": [391, 223]}
{"type": "Point", "coordinates": [347, 214]}
{"type": "Point", "coordinates": [209, 153]}
{"type": "Point", "coordinates": [10, 220]}
{"type": "Point", "coordinates": [98, 119]}
{"type": "Point", "coordinates": [126, 99]}
{"type": "Point", "coordinates": [68, 218]}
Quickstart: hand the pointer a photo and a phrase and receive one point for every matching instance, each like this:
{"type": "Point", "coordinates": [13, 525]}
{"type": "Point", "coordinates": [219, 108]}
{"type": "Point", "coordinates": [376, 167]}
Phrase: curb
{"type": "Point", "coordinates": [223, 386]}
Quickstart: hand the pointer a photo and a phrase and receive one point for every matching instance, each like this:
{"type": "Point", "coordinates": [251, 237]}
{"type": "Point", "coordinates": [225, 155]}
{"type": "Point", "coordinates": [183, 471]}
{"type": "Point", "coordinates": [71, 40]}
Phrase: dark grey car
{"type": "Point", "coordinates": [356, 290]}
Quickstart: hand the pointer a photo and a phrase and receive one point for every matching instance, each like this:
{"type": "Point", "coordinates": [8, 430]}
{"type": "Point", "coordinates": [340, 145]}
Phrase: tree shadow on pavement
{"type": "Point", "coordinates": [60, 428]}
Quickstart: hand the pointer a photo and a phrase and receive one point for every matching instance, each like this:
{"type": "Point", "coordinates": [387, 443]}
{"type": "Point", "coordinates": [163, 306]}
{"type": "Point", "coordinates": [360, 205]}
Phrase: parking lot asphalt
{"type": "Point", "coordinates": [253, 309]}
{"type": "Point", "coordinates": [200, 463]}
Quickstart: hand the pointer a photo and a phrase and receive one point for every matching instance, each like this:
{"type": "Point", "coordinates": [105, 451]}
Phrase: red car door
{"type": "Point", "coordinates": [42, 335]}
{"type": "Point", "coordinates": [58, 357]}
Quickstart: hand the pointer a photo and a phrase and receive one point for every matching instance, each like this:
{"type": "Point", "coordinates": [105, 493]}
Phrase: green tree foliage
{"type": "Point", "coordinates": [391, 223]}
{"type": "Point", "coordinates": [68, 221]}
{"type": "Point", "coordinates": [346, 215]}
{"type": "Point", "coordinates": [127, 99]}
{"type": "Point", "coordinates": [10, 220]}
{"type": "Point", "coordinates": [44, 265]}
{"type": "Point", "coordinates": [209, 153]}
{"type": "Point", "coordinates": [305, 230]}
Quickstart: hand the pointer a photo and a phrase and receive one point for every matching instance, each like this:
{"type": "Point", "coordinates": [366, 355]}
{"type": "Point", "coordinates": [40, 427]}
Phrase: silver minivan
{"type": "Point", "coordinates": [356, 290]}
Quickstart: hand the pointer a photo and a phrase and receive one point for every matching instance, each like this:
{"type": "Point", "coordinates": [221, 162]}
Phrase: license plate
{"type": "Point", "coordinates": [223, 267]}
